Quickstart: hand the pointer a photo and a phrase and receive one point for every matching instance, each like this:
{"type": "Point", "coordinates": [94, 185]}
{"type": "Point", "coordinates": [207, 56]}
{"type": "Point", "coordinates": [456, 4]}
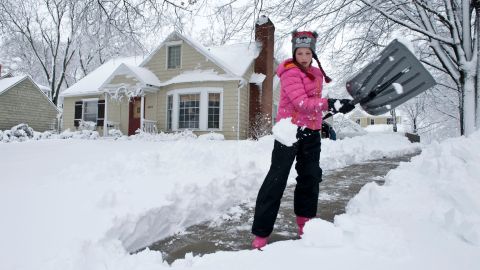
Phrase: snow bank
{"type": "Point", "coordinates": [83, 204]}
{"type": "Point", "coordinates": [426, 216]}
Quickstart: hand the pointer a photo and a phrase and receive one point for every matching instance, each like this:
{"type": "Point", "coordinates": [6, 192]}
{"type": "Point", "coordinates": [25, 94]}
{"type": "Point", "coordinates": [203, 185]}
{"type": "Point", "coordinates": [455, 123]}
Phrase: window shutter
{"type": "Point", "coordinates": [78, 113]}
{"type": "Point", "coordinates": [101, 113]}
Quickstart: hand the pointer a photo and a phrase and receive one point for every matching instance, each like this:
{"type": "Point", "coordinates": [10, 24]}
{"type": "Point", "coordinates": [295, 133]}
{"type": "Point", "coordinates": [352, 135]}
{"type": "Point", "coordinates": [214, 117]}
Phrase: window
{"type": "Point", "coordinates": [194, 108]}
{"type": "Point", "coordinates": [372, 121]}
{"type": "Point", "coordinates": [174, 56]}
{"type": "Point", "coordinates": [357, 121]}
{"type": "Point", "coordinates": [92, 110]}
{"type": "Point", "coordinates": [213, 110]}
{"type": "Point", "coordinates": [169, 111]}
{"type": "Point", "coordinates": [189, 111]}
{"type": "Point", "coordinates": [389, 121]}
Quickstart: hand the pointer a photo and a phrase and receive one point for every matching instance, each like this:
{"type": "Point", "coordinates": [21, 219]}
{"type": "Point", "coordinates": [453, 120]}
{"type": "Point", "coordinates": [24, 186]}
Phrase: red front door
{"type": "Point", "coordinates": [134, 115]}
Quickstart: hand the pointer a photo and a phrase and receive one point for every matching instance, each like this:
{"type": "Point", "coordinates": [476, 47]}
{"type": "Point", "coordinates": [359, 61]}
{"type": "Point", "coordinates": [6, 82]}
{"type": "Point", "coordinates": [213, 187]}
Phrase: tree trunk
{"type": "Point", "coordinates": [468, 110]}
{"type": "Point", "coordinates": [476, 4]}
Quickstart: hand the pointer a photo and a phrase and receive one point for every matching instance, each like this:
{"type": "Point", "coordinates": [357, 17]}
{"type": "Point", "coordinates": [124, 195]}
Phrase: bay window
{"type": "Point", "coordinates": [195, 108]}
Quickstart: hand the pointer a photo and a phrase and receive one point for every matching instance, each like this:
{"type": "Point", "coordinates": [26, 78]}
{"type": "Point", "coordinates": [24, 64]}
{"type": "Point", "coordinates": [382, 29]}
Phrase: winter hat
{"type": "Point", "coordinates": [307, 39]}
{"type": "Point", "coordinates": [304, 39]}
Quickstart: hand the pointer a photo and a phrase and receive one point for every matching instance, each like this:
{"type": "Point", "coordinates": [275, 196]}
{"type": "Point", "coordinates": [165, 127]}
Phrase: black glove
{"type": "Point", "coordinates": [345, 105]}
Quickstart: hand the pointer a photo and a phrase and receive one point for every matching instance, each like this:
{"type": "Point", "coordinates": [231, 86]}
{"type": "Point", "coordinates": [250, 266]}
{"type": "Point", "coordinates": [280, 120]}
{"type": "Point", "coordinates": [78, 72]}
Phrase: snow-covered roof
{"type": "Point", "coordinates": [358, 112]}
{"type": "Point", "coordinates": [234, 59]}
{"type": "Point", "coordinates": [7, 83]}
{"type": "Point", "coordinates": [10, 82]}
{"type": "Point", "coordinates": [91, 83]}
{"type": "Point", "coordinates": [44, 88]}
{"type": "Point", "coordinates": [238, 57]}
{"type": "Point", "coordinates": [143, 75]}
{"type": "Point", "coordinates": [199, 75]}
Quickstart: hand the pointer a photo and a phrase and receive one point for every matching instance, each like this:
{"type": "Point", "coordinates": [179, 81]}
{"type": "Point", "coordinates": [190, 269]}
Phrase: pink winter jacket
{"type": "Point", "coordinates": [301, 95]}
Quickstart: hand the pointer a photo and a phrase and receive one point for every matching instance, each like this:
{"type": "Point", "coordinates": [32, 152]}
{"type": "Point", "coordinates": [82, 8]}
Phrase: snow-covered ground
{"type": "Point", "coordinates": [82, 204]}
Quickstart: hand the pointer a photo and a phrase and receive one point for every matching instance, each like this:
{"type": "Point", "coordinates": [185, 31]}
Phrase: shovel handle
{"type": "Point", "coordinates": [330, 114]}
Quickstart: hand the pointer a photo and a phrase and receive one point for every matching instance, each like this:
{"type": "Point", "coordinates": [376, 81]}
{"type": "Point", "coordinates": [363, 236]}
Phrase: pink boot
{"type": "Point", "coordinates": [259, 242]}
{"type": "Point", "coordinates": [301, 223]}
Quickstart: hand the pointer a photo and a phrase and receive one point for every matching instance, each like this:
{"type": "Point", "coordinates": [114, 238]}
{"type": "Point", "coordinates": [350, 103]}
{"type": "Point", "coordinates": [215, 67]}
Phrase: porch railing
{"type": "Point", "coordinates": [149, 126]}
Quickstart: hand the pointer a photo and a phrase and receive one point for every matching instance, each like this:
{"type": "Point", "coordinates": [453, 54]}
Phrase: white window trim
{"type": "Point", "coordinates": [170, 44]}
{"type": "Point", "coordinates": [203, 91]}
{"type": "Point", "coordinates": [83, 107]}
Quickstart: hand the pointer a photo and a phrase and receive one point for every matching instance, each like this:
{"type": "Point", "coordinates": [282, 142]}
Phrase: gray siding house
{"type": "Point", "coordinates": [22, 101]}
{"type": "Point", "coordinates": [181, 85]}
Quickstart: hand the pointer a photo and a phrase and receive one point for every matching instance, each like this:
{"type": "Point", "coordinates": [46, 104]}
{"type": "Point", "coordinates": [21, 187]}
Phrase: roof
{"type": "Point", "coordinates": [9, 82]}
{"type": "Point", "coordinates": [238, 57]}
{"type": "Point", "coordinates": [358, 112]}
{"type": "Point", "coordinates": [91, 83]}
{"type": "Point", "coordinates": [143, 75]}
{"type": "Point", "coordinates": [234, 59]}
{"type": "Point", "coordinates": [200, 76]}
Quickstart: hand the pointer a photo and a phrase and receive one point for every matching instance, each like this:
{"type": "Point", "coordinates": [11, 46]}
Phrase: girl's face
{"type": "Point", "coordinates": [304, 56]}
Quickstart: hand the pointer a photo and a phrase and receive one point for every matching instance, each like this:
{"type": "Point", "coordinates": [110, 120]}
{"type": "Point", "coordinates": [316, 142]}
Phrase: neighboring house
{"type": "Point", "coordinates": [22, 101]}
{"type": "Point", "coordinates": [364, 119]}
{"type": "Point", "coordinates": [46, 90]}
{"type": "Point", "coordinates": [181, 85]}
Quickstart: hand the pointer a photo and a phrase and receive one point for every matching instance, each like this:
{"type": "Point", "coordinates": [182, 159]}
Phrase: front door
{"type": "Point", "coordinates": [134, 115]}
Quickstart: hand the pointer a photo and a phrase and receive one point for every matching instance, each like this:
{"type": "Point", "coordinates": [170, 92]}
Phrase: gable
{"type": "Point", "coordinates": [191, 58]}
{"type": "Point", "coordinates": [25, 91]}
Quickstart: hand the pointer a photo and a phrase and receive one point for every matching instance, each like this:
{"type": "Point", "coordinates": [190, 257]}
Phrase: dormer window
{"type": "Point", "coordinates": [174, 56]}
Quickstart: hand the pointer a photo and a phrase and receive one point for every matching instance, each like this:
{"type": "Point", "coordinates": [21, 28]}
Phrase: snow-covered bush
{"type": "Point", "coordinates": [80, 134]}
{"type": "Point", "coordinates": [87, 125]}
{"type": "Point", "coordinates": [184, 135]}
{"type": "Point", "coordinates": [115, 133]}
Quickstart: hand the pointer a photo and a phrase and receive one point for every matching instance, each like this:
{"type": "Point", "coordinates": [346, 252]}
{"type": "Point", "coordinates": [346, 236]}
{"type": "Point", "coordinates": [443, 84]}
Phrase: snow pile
{"type": "Point", "coordinates": [345, 127]}
{"type": "Point", "coordinates": [212, 136]}
{"type": "Point", "coordinates": [427, 215]}
{"type": "Point", "coordinates": [183, 135]}
{"type": "Point", "coordinates": [101, 198]}
{"type": "Point", "coordinates": [398, 88]}
{"type": "Point", "coordinates": [285, 131]}
{"type": "Point", "coordinates": [360, 148]}
{"type": "Point", "coordinates": [385, 128]}
{"type": "Point", "coordinates": [79, 134]}
{"type": "Point", "coordinates": [23, 132]}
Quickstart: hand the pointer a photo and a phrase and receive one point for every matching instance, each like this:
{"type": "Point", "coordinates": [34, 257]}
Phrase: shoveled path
{"type": "Point", "coordinates": [232, 231]}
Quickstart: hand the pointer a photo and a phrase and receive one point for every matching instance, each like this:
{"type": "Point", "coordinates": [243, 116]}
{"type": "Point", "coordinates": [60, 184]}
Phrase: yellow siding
{"type": "Point", "coordinates": [151, 106]}
{"type": "Point", "coordinates": [118, 112]}
{"type": "Point", "coordinates": [24, 103]}
{"type": "Point", "coordinates": [230, 121]}
{"type": "Point", "coordinates": [190, 59]}
{"type": "Point", "coordinates": [123, 79]}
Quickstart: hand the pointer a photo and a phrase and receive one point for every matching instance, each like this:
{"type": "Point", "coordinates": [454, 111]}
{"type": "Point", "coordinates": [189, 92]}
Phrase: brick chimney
{"type": "Point", "coordinates": [261, 99]}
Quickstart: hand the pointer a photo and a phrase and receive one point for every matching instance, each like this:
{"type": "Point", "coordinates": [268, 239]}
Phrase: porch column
{"type": "Point", "coordinates": [142, 112]}
{"type": "Point", "coordinates": [105, 117]}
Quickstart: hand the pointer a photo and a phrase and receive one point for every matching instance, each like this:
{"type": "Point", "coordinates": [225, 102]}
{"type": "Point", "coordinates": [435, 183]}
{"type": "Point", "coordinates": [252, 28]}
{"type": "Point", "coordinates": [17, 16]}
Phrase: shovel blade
{"type": "Point", "coordinates": [393, 78]}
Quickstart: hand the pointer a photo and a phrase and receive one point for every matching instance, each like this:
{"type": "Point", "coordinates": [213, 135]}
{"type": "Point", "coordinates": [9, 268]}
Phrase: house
{"type": "Point", "coordinates": [22, 101]}
{"type": "Point", "coordinates": [364, 119]}
{"type": "Point", "coordinates": [182, 85]}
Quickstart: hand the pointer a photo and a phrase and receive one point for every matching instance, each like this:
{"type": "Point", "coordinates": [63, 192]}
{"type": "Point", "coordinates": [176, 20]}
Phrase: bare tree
{"type": "Point", "coordinates": [58, 33]}
{"type": "Point", "coordinates": [446, 30]}
{"type": "Point", "coordinates": [415, 111]}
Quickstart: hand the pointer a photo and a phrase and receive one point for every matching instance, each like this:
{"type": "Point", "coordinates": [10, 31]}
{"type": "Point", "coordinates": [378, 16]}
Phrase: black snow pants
{"type": "Point", "coordinates": [307, 152]}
